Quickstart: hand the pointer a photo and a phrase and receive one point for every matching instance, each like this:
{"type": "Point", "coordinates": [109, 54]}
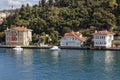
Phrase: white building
{"type": "Point", "coordinates": [72, 39]}
{"type": "Point", "coordinates": [3, 15]}
{"type": "Point", "coordinates": [103, 38]}
{"type": "Point", "coordinates": [18, 36]}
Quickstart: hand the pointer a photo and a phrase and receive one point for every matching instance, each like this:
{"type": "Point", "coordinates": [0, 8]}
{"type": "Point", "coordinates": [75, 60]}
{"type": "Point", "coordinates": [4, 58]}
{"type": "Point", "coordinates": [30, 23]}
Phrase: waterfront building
{"type": "Point", "coordinates": [72, 39]}
{"type": "Point", "coordinates": [103, 39]}
{"type": "Point", "coordinates": [18, 36]}
{"type": "Point", "coordinates": [3, 15]}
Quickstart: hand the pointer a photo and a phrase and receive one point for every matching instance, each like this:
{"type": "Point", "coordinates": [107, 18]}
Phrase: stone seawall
{"type": "Point", "coordinates": [48, 47]}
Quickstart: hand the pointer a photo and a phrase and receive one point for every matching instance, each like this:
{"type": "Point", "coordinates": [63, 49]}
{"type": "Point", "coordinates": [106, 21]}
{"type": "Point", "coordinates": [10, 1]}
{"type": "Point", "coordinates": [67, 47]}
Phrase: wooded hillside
{"type": "Point", "coordinates": [60, 16]}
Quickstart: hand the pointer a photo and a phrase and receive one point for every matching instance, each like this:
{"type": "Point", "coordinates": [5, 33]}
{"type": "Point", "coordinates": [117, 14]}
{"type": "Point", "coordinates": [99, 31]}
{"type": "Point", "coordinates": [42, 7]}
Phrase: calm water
{"type": "Point", "coordinates": [42, 64]}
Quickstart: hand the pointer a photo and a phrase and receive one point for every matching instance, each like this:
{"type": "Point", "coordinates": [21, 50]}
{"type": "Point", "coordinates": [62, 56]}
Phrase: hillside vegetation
{"type": "Point", "coordinates": [60, 16]}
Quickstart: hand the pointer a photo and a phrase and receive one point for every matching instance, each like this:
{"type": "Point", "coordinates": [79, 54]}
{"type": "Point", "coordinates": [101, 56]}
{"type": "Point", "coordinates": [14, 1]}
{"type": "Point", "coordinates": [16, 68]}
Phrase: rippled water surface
{"type": "Point", "coordinates": [43, 64]}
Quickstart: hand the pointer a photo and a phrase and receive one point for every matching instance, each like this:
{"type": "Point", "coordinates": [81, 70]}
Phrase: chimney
{"type": "Point", "coordinates": [95, 31]}
{"type": "Point", "coordinates": [105, 30]}
{"type": "Point", "coordinates": [78, 32]}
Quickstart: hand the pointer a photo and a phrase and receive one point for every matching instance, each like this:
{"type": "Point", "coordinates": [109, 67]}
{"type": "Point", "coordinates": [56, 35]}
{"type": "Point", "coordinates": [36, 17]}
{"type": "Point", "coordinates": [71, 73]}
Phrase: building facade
{"type": "Point", "coordinates": [3, 15]}
{"type": "Point", "coordinates": [103, 38]}
{"type": "Point", "coordinates": [18, 36]}
{"type": "Point", "coordinates": [72, 39]}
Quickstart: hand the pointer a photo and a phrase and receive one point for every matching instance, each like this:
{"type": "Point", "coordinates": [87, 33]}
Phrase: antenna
{"type": "Point", "coordinates": [12, 7]}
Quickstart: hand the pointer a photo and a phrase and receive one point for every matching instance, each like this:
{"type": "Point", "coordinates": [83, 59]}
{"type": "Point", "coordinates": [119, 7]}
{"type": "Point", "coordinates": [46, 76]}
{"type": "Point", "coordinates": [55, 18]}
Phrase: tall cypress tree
{"type": "Point", "coordinates": [43, 3]}
{"type": "Point", "coordinates": [50, 2]}
{"type": "Point", "coordinates": [39, 3]}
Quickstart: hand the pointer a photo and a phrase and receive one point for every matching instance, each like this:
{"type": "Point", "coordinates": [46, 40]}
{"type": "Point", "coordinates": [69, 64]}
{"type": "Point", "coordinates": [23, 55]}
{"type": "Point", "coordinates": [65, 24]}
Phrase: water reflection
{"type": "Point", "coordinates": [23, 64]}
{"type": "Point", "coordinates": [55, 55]}
{"type": "Point", "coordinates": [11, 51]}
{"type": "Point", "coordinates": [35, 64]}
{"type": "Point", "coordinates": [109, 57]}
{"type": "Point", "coordinates": [25, 56]}
{"type": "Point", "coordinates": [111, 68]}
{"type": "Point", "coordinates": [55, 59]}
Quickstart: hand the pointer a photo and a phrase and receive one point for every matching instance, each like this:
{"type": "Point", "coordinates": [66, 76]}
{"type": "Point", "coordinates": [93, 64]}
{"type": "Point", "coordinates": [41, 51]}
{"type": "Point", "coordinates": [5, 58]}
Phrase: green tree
{"type": "Point", "coordinates": [22, 12]}
{"type": "Point", "coordinates": [16, 18]}
{"type": "Point", "coordinates": [113, 4]}
{"type": "Point", "coordinates": [50, 2]}
{"type": "Point", "coordinates": [4, 25]}
{"type": "Point", "coordinates": [103, 19]}
{"type": "Point", "coordinates": [2, 36]}
{"type": "Point", "coordinates": [43, 3]}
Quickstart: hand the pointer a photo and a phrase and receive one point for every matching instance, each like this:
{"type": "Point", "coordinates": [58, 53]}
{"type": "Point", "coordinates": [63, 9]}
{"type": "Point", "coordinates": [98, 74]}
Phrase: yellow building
{"type": "Point", "coordinates": [18, 36]}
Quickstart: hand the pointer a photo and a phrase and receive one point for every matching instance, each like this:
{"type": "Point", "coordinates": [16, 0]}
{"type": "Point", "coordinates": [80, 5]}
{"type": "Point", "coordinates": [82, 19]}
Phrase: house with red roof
{"type": "Point", "coordinates": [103, 38]}
{"type": "Point", "coordinates": [18, 36]}
{"type": "Point", "coordinates": [72, 39]}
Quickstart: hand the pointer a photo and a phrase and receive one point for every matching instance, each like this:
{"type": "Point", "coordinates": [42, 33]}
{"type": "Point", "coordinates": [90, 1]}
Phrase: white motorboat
{"type": "Point", "coordinates": [55, 48]}
{"type": "Point", "coordinates": [18, 48]}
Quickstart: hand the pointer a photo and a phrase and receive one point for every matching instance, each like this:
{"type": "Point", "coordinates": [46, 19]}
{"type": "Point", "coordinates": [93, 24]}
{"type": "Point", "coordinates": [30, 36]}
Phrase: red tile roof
{"type": "Point", "coordinates": [82, 38]}
{"type": "Point", "coordinates": [72, 34]}
{"type": "Point", "coordinates": [105, 32]}
{"type": "Point", "coordinates": [76, 34]}
{"type": "Point", "coordinates": [20, 28]}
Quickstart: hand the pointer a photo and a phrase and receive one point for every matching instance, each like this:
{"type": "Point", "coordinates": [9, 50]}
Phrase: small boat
{"type": "Point", "coordinates": [55, 48]}
{"type": "Point", "coordinates": [18, 48]}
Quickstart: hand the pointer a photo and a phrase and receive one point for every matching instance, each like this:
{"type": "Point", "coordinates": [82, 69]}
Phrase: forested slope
{"type": "Point", "coordinates": [60, 16]}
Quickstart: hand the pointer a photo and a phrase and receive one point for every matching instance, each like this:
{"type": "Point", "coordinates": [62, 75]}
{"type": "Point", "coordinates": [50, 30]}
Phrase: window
{"type": "Point", "coordinates": [104, 37]}
{"type": "Point", "coordinates": [72, 38]}
{"type": "Point", "coordinates": [7, 38]}
{"type": "Point", "coordinates": [97, 37]}
{"type": "Point", "coordinates": [14, 33]}
{"type": "Point", "coordinates": [110, 36]}
{"type": "Point", "coordinates": [7, 33]}
{"type": "Point", "coordinates": [66, 43]}
{"type": "Point", "coordinates": [104, 42]}
{"type": "Point", "coordinates": [96, 43]}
